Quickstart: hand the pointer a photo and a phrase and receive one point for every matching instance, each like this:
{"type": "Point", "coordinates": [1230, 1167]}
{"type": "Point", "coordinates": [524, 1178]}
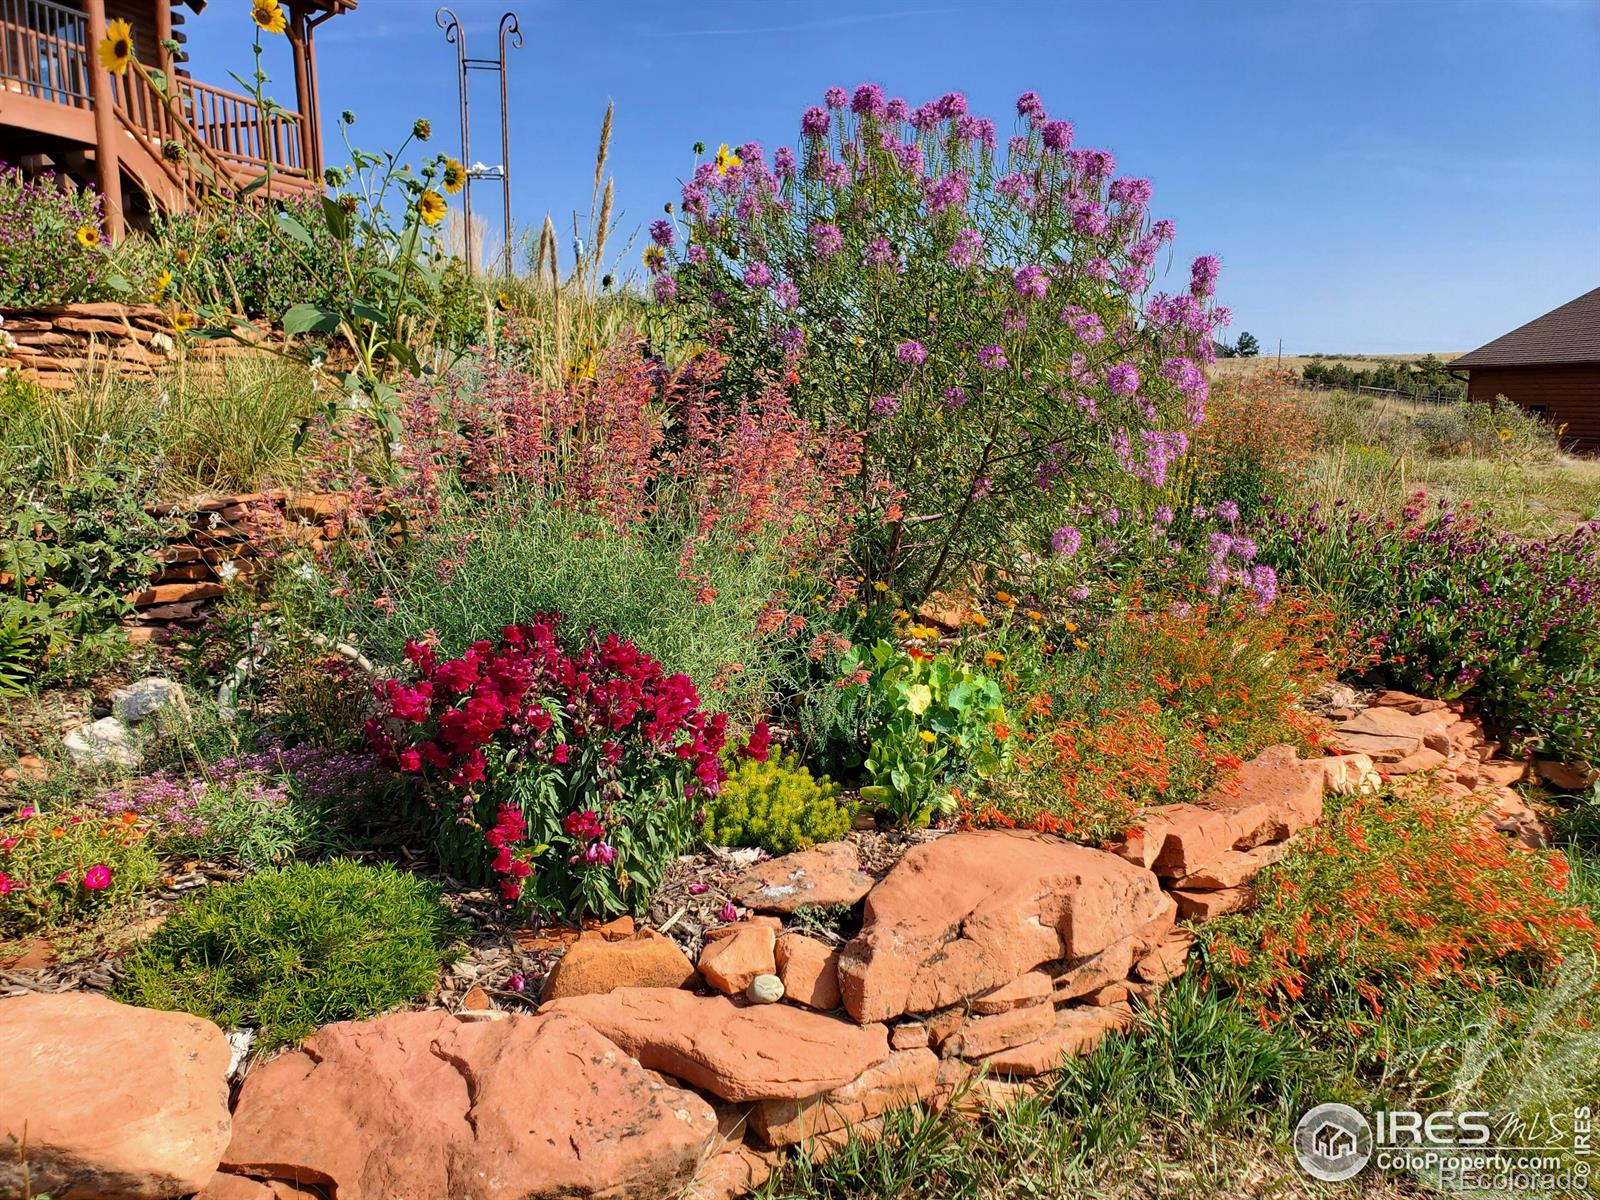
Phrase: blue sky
{"type": "Point", "coordinates": [1377, 175]}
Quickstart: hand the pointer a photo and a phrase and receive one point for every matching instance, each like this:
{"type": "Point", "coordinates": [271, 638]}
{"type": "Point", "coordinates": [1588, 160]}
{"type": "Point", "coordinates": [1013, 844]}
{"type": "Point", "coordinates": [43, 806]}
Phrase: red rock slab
{"type": "Point", "coordinates": [1032, 988]}
{"type": "Point", "coordinates": [1272, 797]}
{"type": "Point", "coordinates": [1406, 702]}
{"type": "Point", "coordinates": [809, 970]}
{"type": "Point", "coordinates": [1566, 777]}
{"type": "Point", "coordinates": [115, 1101]}
{"type": "Point", "coordinates": [1350, 775]}
{"type": "Point", "coordinates": [734, 1170]}
{"type": "Point", "coordinates": [1168, 960]}
{"type": "Point", "coordinates": [732, 1050]}
{"type": "Point", "coordinates": [240, 1187]}
{"type": "Point", "coordinates": [913, 1036]}
{"type": "Point", "coordinates": [981, 1036]}
{"type": "Point", "coordinates": [731, 963]}
{"type": "Point", "coordinates": [826, 874]}
{"type": "Point", "coordinates": [420, 1104]}
{"type": "Point", "coordinates": [1500, 772]}
{"type": "Point", "coordinates": [597, 965]}
{"type": "Point", "coordinates": [1079, 976]}
{"type": "Point", "coordinates": [1078, 1030]}
{"type": "Point", "coordinates": [1381, 748]}
{"type": "Point", "coordinates": [1426, 758]}
{"type": "Point", "coordinates": [1234, 867]}
{"type": "Point", "coordinates": [907, 1077]}
{"type": "Point", "coordinates": [969, 912]}
{"type": "Point", "coordinates": [1180, 838]}
{"type": "Point", "coordinates": [1202, 906]}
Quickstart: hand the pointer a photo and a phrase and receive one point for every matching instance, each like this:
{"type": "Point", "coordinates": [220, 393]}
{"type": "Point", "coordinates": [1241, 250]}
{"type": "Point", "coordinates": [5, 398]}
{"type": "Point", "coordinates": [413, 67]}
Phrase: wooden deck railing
{"type": "Point", "coordinates": [44, 54]}
{"type": "Point", "coordinates": [42, 51]}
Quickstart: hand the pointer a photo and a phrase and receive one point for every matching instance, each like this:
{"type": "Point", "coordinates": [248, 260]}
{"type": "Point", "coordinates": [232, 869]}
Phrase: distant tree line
{"type": "Point", "coordinates": [1426, 376]}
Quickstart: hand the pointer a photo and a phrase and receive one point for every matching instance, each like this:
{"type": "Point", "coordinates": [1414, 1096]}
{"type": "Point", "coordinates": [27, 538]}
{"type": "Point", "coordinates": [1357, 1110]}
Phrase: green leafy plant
{"type": "Point", "coordinates": [286, 951]}
{"type": "Point", "coordinates": [60, 867]}
{"type": "Point", "coordinates": [930, 721]}
{"type": "Point", "coordinates": [776, 805]}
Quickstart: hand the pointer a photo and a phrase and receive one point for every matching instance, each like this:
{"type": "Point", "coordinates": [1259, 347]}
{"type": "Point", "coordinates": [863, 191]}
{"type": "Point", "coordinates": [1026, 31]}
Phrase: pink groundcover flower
{"type": "Point", "coordinates": [97, 877]}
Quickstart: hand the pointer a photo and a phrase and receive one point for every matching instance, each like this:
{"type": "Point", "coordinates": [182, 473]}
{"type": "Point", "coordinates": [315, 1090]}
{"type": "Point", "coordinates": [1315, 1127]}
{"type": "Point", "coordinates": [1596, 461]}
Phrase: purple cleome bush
{"type": "Point", "coordinates": [986, 317]}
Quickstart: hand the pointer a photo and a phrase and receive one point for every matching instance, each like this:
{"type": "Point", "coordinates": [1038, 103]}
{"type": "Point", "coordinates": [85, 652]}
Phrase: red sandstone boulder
{"type": "Point", "coordinates": [119, 1103]}
{"type": "Point", "coordinates": [735, 1051]}
{"type": "Point", "coordinates": [595, 964]}
{"type": "Point", "coordinates": [420, 1104]}
{"type": "Point", "coordinates": [732, 962]}
{"type": "Point", "coordinates": [1273, 796]}
{"type": "Point", "coordinates": [827, 874]}
{"type": "Point", "coordinates": [1202, 906]}
{"type": "Point", "coordinates": [1175, 839]}
{"type": "Point", "coordinates": [905, 1078]}
{"type": "Point", "coordinates": [809, 970]}
{"type": "Point", "coordinates": [970, 912]}
{"type": "Point", "coordinates": [1233, 868]}
{"type": "Point", "coordinates": [981, 1036]}
{"type": "Point", "coordinates": [1168, 960]}
{"type": "Point", "coordinates": [1077, 1030]}
{"type": "Point", "coordinates": [1032, 988]}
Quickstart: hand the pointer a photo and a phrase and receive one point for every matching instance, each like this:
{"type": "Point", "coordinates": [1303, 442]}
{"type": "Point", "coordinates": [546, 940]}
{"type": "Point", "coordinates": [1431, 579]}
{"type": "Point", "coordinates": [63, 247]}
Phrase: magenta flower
{"type": "Point", "coordinates": [757, 275]}
{"type": "Point", "coordinates": [1123, 379]}
{"type": "Point", "coordinates": [868, 101]}
{"type": "Point", "coordinates": [699, 889]}
{"type": "Point", "coordinates": [814, 122]}
{"type": "Point", "coordinates": [1030, 282]}
{"type": "Point", "coordinates": [885, 406]}
{"type": "Point", "coordinates": [516, 982]}
{"type": "Point", "coordinates": [728, 913]}
{"type": "Point", "coordinates": [835, 97]}
{"type": "Point", "coordinates": [912, 353]}
{"type": "Point", "coordinates": [993, 358]}
{"type": "Point", "coordinates": [826, 240]}
{"type": "Point", "coordinates": [1057, 134]}
{"type": "Point", "coordinates": [966, 249]}
{"type": "Point", "coordinates": [1066, 541]}
{"type": "Point", "coordinates": [662, 233]}
{"type": "Point", "coordinates": [97, 878]}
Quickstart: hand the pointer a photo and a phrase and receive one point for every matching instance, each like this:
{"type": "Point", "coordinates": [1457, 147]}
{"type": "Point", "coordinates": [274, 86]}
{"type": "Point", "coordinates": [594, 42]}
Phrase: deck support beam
{"type": "Point", "coordinates": [107, 161]}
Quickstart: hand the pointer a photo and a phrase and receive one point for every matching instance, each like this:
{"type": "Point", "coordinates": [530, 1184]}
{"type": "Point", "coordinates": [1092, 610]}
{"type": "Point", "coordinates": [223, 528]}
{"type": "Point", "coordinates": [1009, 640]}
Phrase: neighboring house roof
{"type": "Point", "coordinates": [1563, 336]}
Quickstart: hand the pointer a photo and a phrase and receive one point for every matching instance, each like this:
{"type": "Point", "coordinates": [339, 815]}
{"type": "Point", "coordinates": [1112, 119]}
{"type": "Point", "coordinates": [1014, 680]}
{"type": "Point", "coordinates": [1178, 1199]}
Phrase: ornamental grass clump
{"type": "Point", "coordinates": [287, 951]}
{"type": "Point", "coordinates": [981, 313]}
{"type": "Point", "coordinates": [570, 770]}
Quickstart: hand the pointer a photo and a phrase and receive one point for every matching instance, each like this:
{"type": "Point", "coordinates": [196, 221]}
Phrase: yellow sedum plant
{"type": "Point", "coordinates": [777, 805]}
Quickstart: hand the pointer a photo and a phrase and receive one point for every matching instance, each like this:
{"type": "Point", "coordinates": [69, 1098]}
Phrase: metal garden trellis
{"type": "Point", "coordinates": [447, 20]}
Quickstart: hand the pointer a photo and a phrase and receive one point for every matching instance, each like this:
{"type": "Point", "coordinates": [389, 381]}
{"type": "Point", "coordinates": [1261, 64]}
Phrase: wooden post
{"type": "Point", "coordinates": [299, 37]}
{"type": "Point", "coordinates": [164, 35]}
{"type": "Point", "coordinates": [107, 164]}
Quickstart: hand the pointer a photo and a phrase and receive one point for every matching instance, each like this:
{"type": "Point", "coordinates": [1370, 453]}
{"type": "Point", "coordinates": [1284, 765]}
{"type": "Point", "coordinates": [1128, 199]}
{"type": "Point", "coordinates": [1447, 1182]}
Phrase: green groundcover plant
{"type": "Point", "coordinates": [777, 805]}
{"type": "Point", "coordinates": [287, 951]}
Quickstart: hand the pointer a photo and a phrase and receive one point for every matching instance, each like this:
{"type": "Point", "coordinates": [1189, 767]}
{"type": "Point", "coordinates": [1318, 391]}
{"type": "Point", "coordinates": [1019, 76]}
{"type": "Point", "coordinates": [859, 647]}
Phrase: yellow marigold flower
{"type": "Point", "coordinates": [978, 619]}
{"type": "Point", "coordinates": [1035, 615]}
{"type": "Point", "coordinates": [431, 207]}
{"type": "Point", "coordinates": [268, 15]}
{"type": "Point", "coordinates": [1005, 597]}
{"type": "Point", "coordinates": [655, 257]}
{"type": "Point", "coordinates": [928, 736]}
{"type": "Point", "coordinates": [455, 175]}
{"type": "Point", "coordinates": [183, 321]}
{"type": "Point", "coordinates": [921, 632]}
{"type": "Point", "coordinates": [993, 658]}
{"type": "Point", "coordinates": [901, 614]}
{"type": "Point", "coordinates": [880, 586]}
{"type": "Point", "coordinates": [726, 159]}
{"type": "Point", "coordinates": [88, 238]}
{"type": "Point", "coordinates": [116, 48]}
{"type": "Point", "coordinates": [1072, 627]}
{"type": "Point", "coordinates": [1080, 643]}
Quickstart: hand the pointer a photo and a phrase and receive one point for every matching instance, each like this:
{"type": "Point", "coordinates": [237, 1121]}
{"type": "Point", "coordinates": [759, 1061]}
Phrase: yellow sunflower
{"type": "Point", "coordinates": [183, 321]}
{"type": "Point", "coordinates": [655, 257]}
{"type": "Point", "coordinates": [726, 159]}
{"type": "Point", "coordinates": [88, 237]}
{"type": "Point", "coordinates": [163, 282]}
{"type": "Point", "coordinates": [431, 207]}
{"type": "Point", "coordinates": [502, 301]}
{"type": "Point", "coordinates": [455, 176]}
{"type": "Point", "coordinates": [267, 15]}
{"type": "Point", "coordinates": [116, 48]}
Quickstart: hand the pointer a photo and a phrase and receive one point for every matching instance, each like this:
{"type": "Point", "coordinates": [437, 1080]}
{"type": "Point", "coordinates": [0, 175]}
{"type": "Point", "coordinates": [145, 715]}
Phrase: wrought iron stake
{"type": "Point", "coordinates": [447, 20]}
